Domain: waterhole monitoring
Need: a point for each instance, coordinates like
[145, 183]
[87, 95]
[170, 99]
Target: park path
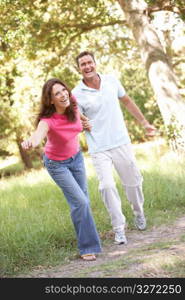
[143, 256]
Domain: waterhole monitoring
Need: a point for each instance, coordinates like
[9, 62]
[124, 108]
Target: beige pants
[123, 160]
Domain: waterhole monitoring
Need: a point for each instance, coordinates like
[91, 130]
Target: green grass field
[36, 229]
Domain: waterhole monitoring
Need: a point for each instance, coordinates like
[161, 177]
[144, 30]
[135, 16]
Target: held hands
[85, 123]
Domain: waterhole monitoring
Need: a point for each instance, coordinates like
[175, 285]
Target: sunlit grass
[8, 161]
[36, 227]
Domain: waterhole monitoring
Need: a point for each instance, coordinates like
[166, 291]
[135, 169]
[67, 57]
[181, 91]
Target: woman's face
[60, 98]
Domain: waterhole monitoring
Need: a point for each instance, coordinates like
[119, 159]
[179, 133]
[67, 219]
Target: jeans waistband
[62, 161]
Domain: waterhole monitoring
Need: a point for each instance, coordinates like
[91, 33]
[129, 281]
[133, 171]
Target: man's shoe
[140, 222]
[120, 238]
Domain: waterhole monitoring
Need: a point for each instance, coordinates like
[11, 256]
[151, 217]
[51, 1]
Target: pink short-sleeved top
[62, 137]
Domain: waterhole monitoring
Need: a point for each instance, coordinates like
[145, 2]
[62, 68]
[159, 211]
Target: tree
[47, 34]
[158, 68]
[11, 127]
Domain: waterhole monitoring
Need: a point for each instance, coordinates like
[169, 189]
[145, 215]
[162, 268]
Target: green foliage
[50, 25]
[173, 134]
[176, 6]
[65, 74]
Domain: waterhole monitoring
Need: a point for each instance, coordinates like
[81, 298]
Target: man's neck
[93, 82]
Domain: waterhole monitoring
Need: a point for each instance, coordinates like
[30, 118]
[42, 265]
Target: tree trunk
[159, 69]
[24, 155]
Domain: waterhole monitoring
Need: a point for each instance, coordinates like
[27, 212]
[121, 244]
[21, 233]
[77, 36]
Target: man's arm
[138, 115]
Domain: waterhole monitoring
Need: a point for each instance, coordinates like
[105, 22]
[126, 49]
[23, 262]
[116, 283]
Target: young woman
[59, 121]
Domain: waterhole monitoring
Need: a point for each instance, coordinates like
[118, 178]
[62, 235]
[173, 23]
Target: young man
[108, 141]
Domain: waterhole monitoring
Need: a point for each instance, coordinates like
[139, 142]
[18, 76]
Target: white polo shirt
[102, 107]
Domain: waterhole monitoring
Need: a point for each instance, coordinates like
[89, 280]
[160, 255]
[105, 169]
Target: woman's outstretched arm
[35, 139]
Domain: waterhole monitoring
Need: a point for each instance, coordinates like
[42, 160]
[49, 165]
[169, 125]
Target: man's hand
[150, 129]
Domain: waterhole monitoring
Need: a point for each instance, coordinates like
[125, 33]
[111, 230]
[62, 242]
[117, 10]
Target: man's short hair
[84, 53]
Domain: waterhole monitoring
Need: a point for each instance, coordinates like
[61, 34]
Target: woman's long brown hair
[47, 108]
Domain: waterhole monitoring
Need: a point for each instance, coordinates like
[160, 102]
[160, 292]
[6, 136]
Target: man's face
[87, 66]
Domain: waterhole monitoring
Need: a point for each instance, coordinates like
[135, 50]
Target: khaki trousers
[123, 160]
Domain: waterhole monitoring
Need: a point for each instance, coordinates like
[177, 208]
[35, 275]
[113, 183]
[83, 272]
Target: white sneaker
[120, 238]
[140, 222]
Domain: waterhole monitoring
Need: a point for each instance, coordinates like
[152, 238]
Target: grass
[36, 229]
[14, 167]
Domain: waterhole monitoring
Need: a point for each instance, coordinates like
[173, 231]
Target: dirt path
[146, 255]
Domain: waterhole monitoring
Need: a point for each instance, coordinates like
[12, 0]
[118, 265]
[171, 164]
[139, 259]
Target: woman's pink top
[62, 138]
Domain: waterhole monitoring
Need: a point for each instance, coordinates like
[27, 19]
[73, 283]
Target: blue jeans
[70, 176]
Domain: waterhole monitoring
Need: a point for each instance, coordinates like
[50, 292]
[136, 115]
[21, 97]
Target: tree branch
[88, 27]
[178, 62]
[167, 7]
